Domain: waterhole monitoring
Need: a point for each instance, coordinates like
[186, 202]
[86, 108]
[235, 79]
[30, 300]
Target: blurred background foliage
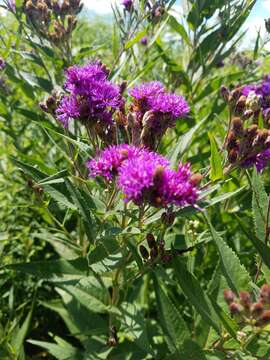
[193, 55]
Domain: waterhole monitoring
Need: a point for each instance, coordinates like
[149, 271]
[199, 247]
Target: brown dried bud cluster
[245, 310]
[243, 144]
[245, 107]
[156, 250]
[53, 19]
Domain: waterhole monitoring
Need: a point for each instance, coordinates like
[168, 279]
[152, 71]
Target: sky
[254, 22]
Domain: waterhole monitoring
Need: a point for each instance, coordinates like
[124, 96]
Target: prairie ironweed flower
[155, 111]
[148, 179]
[92, 97]
[127, 4]
[108, 162]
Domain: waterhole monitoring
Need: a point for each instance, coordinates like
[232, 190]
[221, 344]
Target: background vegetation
[52, 304]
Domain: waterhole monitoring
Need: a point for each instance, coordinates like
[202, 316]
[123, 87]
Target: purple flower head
[137, 176]
[109, 161]
[247, 89]
[177, 188]
[127, 4]
[149, 179]
[260, 160]
[147, 90]
[93, 96]
[173, 105]
[144, 40]
[67, 109]
[79, 79]
[2, 64]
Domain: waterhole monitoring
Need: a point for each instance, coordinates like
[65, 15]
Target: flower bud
[253, 101]
[151, 240]
[154, 253]
[265, 294]
[264, 319]
[168, 218]
[235, 308]
[144, 252]
[257, 309]
[225, 93]
[231, 141]
[232, 156]
[240, 105]
[229, 296]
[195, 179]
[245, 299]
[237, 126]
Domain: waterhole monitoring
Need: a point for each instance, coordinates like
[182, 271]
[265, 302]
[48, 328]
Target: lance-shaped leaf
[235, 273]
[174, 327]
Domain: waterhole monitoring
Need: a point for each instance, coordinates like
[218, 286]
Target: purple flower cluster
[145, 176]
[92, 97]
[127, 4]
[260, 160]
[108, 162]
[165, 107]
[261, 93]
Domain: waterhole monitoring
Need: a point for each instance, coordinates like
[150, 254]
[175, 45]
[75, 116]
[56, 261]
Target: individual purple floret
[109, 160]
[173, 105]
[127, 4]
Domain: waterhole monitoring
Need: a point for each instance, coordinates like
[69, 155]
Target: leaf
[192, 290]
[190, 350]
[179, 28]
[183, 143]
[60, 352]
[84, 204]
[260, 246]
[235, 273]
[137, 38]
[259, 206]
[215, 160]
[20, 333]
[174, 327]
[52, 268]
[57, 191]
[134, 324]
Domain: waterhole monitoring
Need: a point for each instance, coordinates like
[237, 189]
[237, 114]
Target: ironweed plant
[134, 190]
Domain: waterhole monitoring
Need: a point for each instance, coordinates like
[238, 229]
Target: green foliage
[73, 281]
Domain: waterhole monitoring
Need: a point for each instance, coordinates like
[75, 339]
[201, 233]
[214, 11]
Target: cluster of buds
[53, 19]
[245, 311]
[245, 144]
[156, 251]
